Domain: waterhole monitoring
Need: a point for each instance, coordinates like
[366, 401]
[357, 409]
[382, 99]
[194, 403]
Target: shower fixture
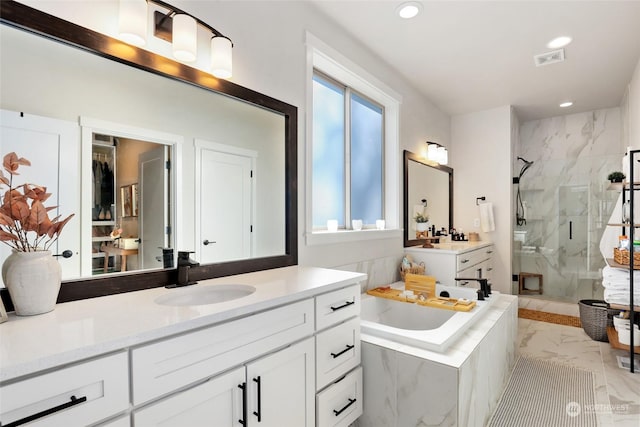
[520, 214]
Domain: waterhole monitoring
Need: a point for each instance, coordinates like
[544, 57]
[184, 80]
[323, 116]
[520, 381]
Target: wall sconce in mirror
[178, 28]
[437, 153]
[129, 199]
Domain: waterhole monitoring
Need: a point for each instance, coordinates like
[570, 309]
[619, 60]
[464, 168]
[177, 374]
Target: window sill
[344, 236]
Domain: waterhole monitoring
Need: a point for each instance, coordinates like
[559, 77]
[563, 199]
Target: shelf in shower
[623, 225]
[636, 308]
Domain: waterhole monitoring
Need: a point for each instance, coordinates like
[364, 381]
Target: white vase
[422, 226]
[33, 280]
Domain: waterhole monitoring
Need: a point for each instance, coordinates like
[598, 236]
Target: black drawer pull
[489, 252]
[258, 413]
[243, 387]
[346, 304]
[464, 261]
[74, 401]
[351, 402]
[349, 347]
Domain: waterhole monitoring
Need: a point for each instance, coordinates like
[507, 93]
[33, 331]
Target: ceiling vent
[549, 57]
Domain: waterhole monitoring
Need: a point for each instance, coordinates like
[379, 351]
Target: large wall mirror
[190, 162]
[428, 188]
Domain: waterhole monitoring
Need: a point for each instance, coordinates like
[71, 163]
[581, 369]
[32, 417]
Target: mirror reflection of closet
[116, 243]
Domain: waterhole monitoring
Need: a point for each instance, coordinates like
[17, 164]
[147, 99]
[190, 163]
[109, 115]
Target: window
[347, 155]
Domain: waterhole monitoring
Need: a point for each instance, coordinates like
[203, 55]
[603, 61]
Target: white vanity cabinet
[288, 355]
[457, 259]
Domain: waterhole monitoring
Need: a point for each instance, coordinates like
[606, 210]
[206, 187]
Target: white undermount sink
[203, 295]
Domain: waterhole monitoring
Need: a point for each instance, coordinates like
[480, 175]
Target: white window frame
[328, 61]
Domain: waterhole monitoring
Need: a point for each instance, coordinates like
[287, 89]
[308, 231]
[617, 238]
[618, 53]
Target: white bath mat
[544, 393]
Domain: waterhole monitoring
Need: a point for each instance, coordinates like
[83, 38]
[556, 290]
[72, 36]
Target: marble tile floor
[617, 390]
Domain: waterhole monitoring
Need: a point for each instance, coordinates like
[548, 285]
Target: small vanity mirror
[428, 189]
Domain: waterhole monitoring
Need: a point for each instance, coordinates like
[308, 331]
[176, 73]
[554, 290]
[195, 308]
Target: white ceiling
[467, 56]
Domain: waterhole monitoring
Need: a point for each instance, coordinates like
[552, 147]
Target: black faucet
[184, 265]
[485, 287]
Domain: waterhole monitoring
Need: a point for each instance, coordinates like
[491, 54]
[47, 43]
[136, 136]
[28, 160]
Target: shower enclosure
[562, 202]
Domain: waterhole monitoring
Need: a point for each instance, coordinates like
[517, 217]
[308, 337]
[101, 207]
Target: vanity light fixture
[566, 104]
[178, 28]
[409, 9]
[185, 37]
[132, 20]
[437, 153]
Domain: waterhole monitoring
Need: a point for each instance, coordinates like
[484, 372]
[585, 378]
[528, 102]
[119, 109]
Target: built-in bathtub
[408, 381]
[418, 325]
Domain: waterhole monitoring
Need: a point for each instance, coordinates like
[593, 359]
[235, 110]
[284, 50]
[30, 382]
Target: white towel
[486, 217]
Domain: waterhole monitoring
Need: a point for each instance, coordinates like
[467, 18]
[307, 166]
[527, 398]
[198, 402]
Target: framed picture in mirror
[129, 200]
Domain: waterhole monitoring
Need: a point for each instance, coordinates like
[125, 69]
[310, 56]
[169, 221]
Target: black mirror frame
[34, 21]
[409, 156]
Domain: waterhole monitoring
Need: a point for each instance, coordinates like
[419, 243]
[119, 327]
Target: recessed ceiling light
[566, 104]
[559, 42]
[409, 9]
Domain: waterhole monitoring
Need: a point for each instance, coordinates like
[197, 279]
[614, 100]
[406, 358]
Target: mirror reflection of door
[225, 193]
[41, 140]
[154, 206]
[122, 239]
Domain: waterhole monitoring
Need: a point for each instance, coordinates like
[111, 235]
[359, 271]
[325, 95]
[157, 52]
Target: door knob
[206, 242]
[68, 253]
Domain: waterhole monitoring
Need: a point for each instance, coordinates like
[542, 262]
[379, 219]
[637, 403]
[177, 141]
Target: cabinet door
[281, 387]
[217, 402]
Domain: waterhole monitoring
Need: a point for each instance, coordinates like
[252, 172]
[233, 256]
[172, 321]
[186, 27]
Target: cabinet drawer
[80, 394]
[164, 366]
[337, 351]
[471, 258]
[337, 306]
[341, 403]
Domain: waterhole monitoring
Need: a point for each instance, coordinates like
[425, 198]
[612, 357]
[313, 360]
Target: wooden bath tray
[448, 304]
[438, 302]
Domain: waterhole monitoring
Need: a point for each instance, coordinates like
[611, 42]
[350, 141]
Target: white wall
[481, 149]
[270, 57]
[633, 109]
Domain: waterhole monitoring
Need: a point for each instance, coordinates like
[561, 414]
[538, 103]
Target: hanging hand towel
[486, 217]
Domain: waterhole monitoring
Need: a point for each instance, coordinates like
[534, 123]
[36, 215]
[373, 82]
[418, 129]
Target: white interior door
[53, 148]
[224, 195]
[153, 206]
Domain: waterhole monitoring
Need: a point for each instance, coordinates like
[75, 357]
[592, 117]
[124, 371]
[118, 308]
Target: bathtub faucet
[485, 287]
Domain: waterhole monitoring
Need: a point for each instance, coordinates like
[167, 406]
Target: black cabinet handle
[243, 387]
[72, 402]
[349, 347]
[207, 242]
[489, 252]
[259, 412]
[346, 304]
[351, 402]
[464, 261]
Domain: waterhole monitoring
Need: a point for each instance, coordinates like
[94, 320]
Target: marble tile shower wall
[567, 203]
[379, 271]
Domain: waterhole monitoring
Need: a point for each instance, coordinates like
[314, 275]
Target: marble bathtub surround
[566, 187]
[407, 386]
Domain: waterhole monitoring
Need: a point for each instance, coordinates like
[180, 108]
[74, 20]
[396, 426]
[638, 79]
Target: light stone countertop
[451, 247]
[87, 328]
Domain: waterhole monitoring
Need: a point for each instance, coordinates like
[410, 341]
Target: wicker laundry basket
[595, 316]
